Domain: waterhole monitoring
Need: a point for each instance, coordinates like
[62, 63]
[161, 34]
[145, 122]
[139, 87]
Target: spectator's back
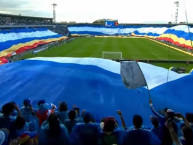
[62, 111]
[28, 113]
[158, 128]
[141, 137]
[115, 137]
[52, 132]
[111, 132]
[167, 139]
[85, 134]
[158, 131]
[62, 115]
[69, 123]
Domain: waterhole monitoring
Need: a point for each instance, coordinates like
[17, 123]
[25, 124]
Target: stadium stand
[16, 41]
[177, 35]
[7, 19]
[21, 126]
[34, 122]
[60, 29]
[21, 33]
[26, 34]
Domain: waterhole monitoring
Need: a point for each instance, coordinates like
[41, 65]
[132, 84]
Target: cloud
[23, 7]
[135, 11]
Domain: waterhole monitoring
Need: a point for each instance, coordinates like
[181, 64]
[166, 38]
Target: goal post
[112, 55]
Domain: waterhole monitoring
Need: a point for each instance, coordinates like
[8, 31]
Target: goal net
[112, 55]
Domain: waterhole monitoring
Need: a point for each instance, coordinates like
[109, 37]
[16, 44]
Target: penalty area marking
[98, 43]
[70, 53]
[157, 56]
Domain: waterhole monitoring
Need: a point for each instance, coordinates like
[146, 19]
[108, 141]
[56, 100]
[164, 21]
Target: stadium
[102, 67]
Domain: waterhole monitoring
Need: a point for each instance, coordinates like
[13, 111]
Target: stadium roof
[103, 20]
[10, 15]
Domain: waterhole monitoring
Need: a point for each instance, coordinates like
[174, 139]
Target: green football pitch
[131, 48]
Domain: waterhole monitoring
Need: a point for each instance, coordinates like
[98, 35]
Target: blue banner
[111, 23]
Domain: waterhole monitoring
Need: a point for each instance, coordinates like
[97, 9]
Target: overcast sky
[126, 11]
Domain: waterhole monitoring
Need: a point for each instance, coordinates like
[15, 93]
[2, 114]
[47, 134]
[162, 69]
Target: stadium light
[54, 12]
[176, 3]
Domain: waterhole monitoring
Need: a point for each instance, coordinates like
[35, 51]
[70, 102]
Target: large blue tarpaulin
[94, 85]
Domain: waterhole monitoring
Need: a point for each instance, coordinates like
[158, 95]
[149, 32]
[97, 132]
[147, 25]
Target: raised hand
[14, 142]
[53, 106]
[150, 101]
[168, 125]
[119, 112]
[83, 111]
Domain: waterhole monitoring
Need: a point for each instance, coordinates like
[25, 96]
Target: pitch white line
[70, 53]
[133, 57]
[157, 56]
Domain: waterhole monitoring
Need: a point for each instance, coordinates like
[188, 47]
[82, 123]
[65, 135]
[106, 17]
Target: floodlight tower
[54, 12]
[176, 3]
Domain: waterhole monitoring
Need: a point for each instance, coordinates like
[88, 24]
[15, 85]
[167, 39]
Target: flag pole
[188, 25]
[145, 81]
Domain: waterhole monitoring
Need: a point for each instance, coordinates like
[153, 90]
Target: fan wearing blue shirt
[53, 132]
[86, 133]
[157, 128]
[69, 123]
[29, 114]
[62, 112]
[139, 136]
[189, 120]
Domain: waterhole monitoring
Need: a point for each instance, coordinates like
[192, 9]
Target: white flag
[132, 75]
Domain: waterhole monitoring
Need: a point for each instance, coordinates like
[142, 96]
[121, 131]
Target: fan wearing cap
[62, 112]
[86, 133]
[43, 112]
[162, 119]
[29, 114]
[27, 108]
[110, 135]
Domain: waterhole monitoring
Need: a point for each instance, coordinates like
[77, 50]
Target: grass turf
[131, 48]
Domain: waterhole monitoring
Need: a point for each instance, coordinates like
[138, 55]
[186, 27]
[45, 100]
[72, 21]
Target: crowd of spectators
[175, 45]
[48, 125]
[60, 29]
[24, 21]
